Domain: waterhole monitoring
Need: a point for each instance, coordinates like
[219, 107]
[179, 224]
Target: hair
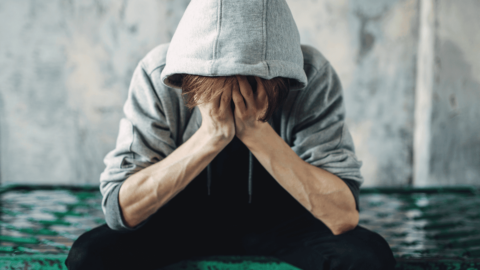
[201, 89]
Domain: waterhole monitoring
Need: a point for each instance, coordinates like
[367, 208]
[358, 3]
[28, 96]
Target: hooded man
[233, 143]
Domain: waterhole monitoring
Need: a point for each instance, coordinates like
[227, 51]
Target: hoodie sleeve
[320, 135]
[144, 138]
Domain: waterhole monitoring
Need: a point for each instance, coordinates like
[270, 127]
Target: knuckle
[213, 116]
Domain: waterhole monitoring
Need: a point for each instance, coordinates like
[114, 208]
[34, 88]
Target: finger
[218, 100]
[261, 93]
[246, 91]
[238, 98]
[226, 98]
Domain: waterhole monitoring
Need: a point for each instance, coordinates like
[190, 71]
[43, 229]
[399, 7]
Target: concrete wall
[455, 121]
[65, 67]
[372, 45]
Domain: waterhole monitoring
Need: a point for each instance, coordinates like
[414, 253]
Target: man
[260, 106]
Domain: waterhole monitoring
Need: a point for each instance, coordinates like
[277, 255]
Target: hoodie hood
[230, 37]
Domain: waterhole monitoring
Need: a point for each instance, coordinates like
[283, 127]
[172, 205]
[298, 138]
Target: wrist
[215, 137]
[256, 135]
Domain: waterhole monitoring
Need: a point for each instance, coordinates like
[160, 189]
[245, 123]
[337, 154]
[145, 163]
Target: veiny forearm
[325, 195]
[144, 192]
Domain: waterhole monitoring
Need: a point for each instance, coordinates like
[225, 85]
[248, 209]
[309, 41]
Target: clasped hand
[249, 107]
[220, 118]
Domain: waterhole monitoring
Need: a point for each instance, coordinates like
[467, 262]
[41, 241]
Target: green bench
[427, 228]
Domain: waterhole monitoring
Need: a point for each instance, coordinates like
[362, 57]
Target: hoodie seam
[219, 26]
[131, 144]
[343, 120]
[133, 128]
[264, 57]
[317, 69]
[300, 96]
[264, 36]
[341, 136]
[153, 70]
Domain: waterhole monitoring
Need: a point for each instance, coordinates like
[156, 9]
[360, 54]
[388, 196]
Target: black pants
[302, 241]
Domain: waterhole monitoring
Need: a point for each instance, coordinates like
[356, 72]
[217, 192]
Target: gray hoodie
[220, 38]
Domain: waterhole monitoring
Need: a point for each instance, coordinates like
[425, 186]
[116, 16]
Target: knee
[79, 258]
[371, 259]
[371, 252]
[83, 254]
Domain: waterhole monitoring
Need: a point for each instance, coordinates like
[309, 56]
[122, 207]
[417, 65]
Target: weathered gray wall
[455, 122]
[372, 45]
[65, 67]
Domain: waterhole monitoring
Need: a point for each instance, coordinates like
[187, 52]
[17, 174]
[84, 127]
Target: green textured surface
[33, 262]
[430, 228]
[429, 224]
[232, 263]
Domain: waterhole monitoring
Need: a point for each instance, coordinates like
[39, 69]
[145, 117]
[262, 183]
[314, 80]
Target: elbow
[113, 212]
[114, 226]
[347, 224]
[117, 222]
[113, 223]
[343, 228]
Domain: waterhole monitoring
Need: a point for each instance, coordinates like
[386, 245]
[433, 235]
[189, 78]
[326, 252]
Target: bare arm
[144, 192]
[322, 193]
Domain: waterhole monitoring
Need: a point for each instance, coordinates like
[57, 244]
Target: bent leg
[90, 250]
[104, 248]
[170, 236]
[307, 243]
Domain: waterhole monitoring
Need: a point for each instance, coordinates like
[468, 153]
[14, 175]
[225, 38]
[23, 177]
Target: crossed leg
[303, 241]
[308, 244]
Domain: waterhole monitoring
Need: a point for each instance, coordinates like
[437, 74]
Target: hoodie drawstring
[250, 176]
[209, 176]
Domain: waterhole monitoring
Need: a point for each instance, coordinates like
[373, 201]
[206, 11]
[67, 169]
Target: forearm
[144, 192]
[325, 195]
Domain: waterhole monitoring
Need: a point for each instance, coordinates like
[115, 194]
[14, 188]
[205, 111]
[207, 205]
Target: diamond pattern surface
[428, 228]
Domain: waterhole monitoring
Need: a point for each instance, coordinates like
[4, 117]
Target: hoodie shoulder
[313, 60]
[156, 58]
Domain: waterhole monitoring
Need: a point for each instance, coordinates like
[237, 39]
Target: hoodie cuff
[354, 187]
[114, 216]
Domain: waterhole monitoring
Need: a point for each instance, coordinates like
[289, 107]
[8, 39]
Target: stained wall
[65, 67]
[455, 120]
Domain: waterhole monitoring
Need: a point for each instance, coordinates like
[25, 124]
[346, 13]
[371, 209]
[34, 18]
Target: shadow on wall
[455, 144]
[367, 39]
[2, 127]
